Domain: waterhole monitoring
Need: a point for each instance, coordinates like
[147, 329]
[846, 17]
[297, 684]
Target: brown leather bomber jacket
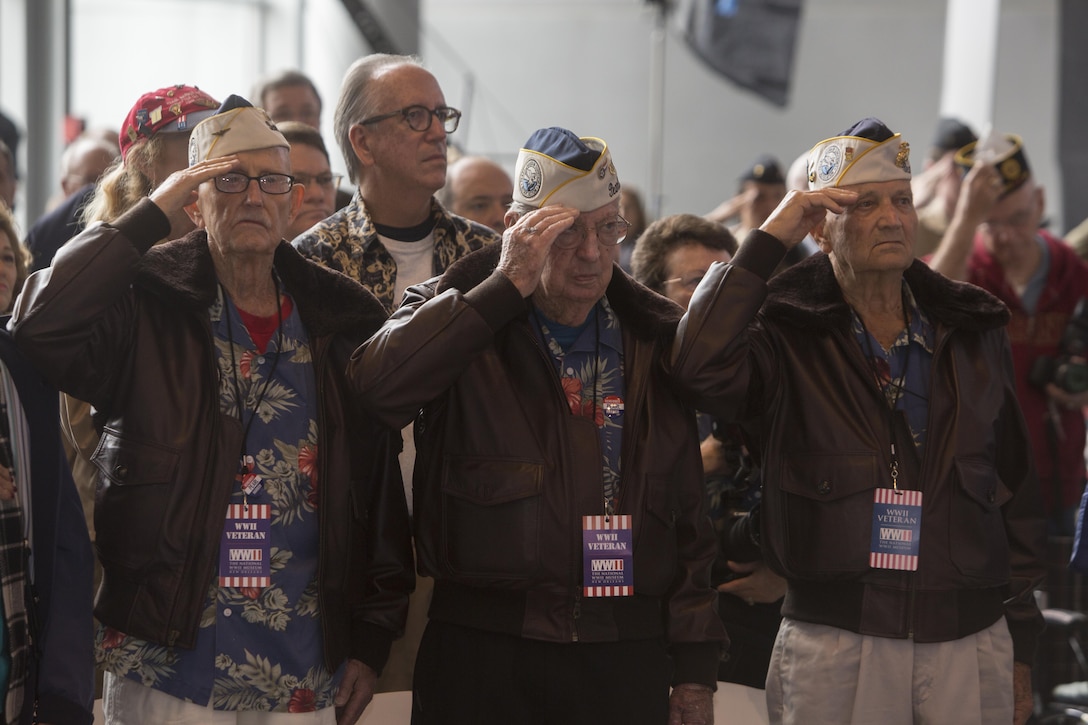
[124, 326]
[504, 472]
[782, 359]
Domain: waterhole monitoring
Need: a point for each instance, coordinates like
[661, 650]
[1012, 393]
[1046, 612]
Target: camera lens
[1072, 377]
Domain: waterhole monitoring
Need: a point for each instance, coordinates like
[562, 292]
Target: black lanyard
[247, 424]
[609, 502]
[899, 389]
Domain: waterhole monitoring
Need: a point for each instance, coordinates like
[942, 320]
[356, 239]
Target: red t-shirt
[261, 329]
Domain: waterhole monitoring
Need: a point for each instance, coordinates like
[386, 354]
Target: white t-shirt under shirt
[415, 264]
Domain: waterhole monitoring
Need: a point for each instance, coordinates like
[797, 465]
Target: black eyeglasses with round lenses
[609, 233]
[419, 118]
[235, 183]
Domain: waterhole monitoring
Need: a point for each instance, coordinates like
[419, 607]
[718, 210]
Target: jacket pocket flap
[829, 477]
[980, 482]
[492, 481]
[126, 462]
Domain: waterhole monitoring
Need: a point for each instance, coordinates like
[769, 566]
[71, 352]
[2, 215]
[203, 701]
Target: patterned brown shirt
[348, 242]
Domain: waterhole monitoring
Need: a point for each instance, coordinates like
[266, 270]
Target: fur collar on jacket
[644, 313]
[807, 295]
[328, 302]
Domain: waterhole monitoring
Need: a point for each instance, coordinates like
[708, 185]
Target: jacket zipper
[320, 351]
[938, 349]
[173, 633]
[632, 393]
[575, 562]
[576, 613]
[912, 578]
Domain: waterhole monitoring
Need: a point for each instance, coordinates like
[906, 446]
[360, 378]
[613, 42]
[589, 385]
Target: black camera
[1069, 370]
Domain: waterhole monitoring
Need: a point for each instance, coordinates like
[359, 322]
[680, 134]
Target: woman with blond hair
[14, 261]
[154, 141]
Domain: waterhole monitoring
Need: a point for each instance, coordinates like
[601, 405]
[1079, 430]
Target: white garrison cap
[555, 167]
[866, 152]
[236, 126]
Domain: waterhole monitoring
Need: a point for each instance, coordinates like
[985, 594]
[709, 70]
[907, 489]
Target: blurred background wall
[618, 69]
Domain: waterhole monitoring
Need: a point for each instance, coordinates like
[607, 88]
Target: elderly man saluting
[251, 522]
[899, 497]
[558, 494]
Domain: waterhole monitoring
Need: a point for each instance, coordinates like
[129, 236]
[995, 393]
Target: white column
[970, 61]
[47, 100]
[655, 118]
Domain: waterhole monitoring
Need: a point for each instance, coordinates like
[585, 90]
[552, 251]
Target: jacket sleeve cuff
[143, 224]
[497, 300]
[1025, 636]
[696, 662]
[760, 254]
[371, 646]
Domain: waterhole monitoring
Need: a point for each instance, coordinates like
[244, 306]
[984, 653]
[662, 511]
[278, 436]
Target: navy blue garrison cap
[870, 128]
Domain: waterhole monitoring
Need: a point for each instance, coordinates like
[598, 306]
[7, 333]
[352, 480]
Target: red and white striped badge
[897, 528]
[607, 553]
[245, 548]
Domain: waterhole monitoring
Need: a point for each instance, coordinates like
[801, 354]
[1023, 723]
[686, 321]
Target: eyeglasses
[326, 181]
[609, 233]
[419, 117]
[236, 183]
[689, 283]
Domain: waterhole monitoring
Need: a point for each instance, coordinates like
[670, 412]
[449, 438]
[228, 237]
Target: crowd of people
[496, 437]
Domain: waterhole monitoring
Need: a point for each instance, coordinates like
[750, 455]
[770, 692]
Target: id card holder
[250, 482]
[607, 551]
[245, 547]
[897, 529]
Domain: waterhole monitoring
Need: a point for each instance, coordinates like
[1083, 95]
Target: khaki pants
[127, 702]
[822, 674]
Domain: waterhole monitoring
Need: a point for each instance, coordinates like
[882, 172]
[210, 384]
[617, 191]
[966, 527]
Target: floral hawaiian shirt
[348, 242]
[903, 371]
[591, 373]
[258, 648]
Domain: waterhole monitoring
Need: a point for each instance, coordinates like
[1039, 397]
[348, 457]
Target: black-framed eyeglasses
[326, 181]
[609, 233]
[419, 118]
[235, 183]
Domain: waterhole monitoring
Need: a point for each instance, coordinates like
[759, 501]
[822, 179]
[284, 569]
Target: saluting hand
[980, 190]
[527, 241]
[800, 211]
[179, 189]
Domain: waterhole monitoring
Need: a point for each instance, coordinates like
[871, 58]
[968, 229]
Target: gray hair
[356, 100]
[85, 143]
